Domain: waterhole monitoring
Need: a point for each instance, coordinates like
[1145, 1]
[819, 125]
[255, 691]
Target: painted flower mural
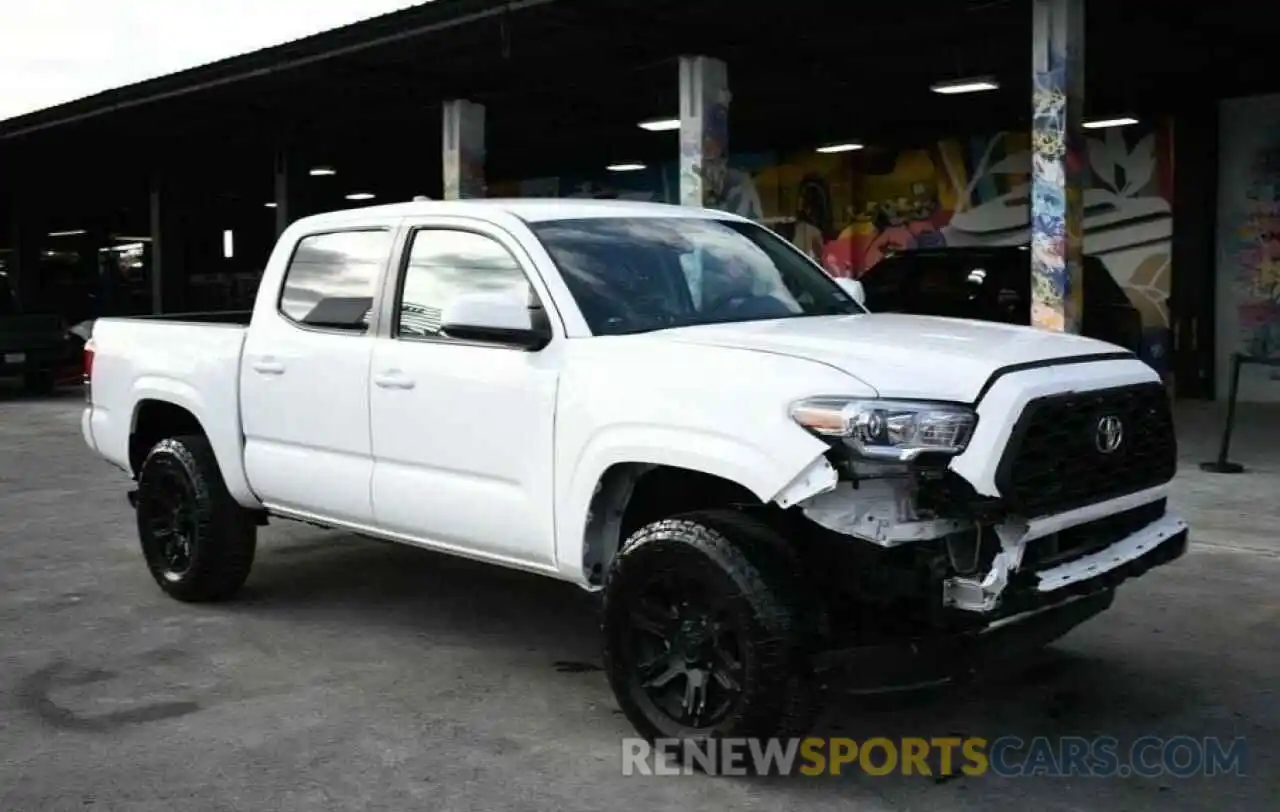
[849, 211]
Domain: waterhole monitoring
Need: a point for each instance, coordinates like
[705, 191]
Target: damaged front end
[935, 551]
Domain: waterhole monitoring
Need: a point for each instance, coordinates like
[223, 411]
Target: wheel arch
[164, 408]
[630, 495]
[723, 466]
[154, 420]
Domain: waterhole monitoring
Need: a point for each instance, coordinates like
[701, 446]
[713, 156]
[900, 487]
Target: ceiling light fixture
[1103, 123]
[633, 167]
[659, 125]
[361, 196]
[831, 149]
[78, 232]
[323, 172]
[957, 86]
[271, 205]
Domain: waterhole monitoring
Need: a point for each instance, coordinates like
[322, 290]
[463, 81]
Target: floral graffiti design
[1050, 242]
[1257, 256]
[704, 156]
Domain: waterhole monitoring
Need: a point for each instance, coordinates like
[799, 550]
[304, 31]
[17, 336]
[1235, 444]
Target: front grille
[1056, 458]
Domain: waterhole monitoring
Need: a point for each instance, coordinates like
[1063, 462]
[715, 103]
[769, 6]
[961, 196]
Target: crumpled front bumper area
[1042, 566]
[946, 657]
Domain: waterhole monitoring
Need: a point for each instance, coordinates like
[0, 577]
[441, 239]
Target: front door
[463, 431]
[304, 379]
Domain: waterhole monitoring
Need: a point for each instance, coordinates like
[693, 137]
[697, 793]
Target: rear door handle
[393, 380]
[268, 367]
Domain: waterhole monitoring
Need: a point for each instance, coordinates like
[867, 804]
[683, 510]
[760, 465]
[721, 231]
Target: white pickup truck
[674, 407]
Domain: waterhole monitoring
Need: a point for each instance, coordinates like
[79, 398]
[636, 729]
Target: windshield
[632, 275]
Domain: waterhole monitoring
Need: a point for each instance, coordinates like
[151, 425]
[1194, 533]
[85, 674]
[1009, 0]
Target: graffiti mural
[464, 150]
[1249, 240]
[1256, 252]
[704, 135]
[1055, 169]
[848, 211]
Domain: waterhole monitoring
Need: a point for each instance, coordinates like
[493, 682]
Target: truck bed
[191, 361]
[232, 317]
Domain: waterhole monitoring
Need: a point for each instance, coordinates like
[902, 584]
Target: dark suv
[994, 284]
[31, 346]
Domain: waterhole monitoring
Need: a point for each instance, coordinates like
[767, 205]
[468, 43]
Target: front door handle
[393, 380]
[268, 367]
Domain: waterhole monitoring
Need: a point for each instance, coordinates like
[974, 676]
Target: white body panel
[476, 428]
[647, 399]
[496, 453]
[900, 356]
[304, 399]
[190, 365]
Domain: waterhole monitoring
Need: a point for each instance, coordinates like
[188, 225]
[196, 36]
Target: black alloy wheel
[199, 543]
[686, 647]
[169, 509]
[700, 635]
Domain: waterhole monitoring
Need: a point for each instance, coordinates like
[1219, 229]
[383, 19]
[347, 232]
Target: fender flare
[226, 445]
[764, 474]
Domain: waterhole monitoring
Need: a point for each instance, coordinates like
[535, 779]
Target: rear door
[304, 378]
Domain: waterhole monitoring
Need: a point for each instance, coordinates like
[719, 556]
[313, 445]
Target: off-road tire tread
[780, 564]
[772, 624]
[227, 537]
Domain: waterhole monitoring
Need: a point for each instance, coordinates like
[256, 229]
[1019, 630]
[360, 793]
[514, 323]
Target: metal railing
[1223, 464]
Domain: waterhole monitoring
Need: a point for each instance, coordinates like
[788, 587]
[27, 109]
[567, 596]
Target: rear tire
[702, 635]
[198, 542]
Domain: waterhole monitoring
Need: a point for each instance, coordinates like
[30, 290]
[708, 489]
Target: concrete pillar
[1057, 164]
[25, 241]
[167, 279]
[704, 131]
[284, 191]
[464, 151]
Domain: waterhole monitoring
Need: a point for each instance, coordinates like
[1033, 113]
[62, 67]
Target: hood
[899, 355]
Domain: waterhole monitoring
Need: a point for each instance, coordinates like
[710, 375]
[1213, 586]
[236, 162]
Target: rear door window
[331, 279]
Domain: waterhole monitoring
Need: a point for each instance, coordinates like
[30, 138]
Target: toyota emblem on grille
[1109, 434]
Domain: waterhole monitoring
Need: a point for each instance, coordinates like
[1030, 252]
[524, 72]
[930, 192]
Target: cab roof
[533, 210]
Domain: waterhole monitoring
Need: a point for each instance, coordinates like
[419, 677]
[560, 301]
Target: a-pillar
[1057, 164]
[704, 131]
[463, 140]
[168, 280]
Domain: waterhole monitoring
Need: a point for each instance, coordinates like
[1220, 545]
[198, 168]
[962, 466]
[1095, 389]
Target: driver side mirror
[854, 288]
[496, 318]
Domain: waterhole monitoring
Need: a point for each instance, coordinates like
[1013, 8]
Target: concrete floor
[361, 675]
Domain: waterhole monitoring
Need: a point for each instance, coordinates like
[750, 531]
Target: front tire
[198, 542]
[702, 638]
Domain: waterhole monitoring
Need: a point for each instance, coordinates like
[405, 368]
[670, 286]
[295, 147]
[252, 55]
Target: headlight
[889, 429]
